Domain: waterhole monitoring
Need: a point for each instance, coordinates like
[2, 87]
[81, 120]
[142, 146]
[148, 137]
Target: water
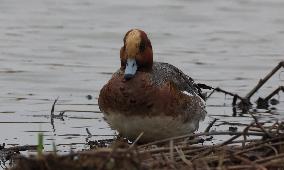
[68, 49]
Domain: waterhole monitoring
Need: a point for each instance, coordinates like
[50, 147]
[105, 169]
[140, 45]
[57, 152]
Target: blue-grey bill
[130, 69]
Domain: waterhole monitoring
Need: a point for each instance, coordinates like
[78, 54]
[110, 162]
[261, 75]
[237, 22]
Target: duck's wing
[164, 72]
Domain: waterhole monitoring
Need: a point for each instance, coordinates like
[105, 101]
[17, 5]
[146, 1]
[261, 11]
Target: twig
[221, 160]
[272, 148]
[20, 148]
[262, 81]
[203, 153]
[182, 157]
[168, 161]
[53, 106]
[136, 140]
[234, 103]
[172, 150]
[276, 91]
[258, 145]
[247, 161]
[273, 126]
[230, 140]
[204, 86]
[245, 132]
[260, 126]
[244, 104]
[239, 167]
[61, 114]
[267, 159]
[89, 133]
[8, 154]
[218, 89]
[202, 134]
[210, 125]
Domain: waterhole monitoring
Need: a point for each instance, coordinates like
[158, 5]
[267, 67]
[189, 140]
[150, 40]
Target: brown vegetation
[256, 147]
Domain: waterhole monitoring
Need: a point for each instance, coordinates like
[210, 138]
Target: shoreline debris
[245, 103]
[258, 146]
[9, 154]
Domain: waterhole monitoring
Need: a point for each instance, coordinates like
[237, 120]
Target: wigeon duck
[150, 97]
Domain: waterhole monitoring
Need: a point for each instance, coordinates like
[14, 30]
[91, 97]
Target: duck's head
[136, 53]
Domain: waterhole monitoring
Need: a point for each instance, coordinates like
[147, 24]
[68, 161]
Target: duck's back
[164, 72]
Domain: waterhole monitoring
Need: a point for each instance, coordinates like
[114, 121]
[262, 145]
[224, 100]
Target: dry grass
[265, 151]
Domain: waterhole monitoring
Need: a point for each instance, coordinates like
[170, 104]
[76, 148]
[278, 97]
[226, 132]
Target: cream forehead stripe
[133, 40]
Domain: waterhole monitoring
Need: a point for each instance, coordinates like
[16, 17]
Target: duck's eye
[142, 46]
[133, 65]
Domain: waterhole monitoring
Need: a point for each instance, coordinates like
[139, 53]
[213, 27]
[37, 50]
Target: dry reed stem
[180, 152]
[183, 157]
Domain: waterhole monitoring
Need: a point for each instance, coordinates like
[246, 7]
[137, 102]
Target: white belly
[154, 128]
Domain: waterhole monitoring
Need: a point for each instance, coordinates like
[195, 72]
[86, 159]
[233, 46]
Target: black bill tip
[128, 76]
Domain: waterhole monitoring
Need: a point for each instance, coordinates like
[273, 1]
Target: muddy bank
[100, 159]
[259, 146]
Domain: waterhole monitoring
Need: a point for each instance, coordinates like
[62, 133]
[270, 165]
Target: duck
[152, 99]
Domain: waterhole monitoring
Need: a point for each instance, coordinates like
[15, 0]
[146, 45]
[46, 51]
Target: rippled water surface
[69, 48]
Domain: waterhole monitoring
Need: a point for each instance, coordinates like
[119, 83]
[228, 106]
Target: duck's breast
[151, 106]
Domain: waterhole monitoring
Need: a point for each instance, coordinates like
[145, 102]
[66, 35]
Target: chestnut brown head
[136, 53]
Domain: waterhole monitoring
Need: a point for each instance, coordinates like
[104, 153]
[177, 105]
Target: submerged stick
[245, 103]
[218, 89]
[53, 107]
[276, 91]
[8, 154]
[210, 125]
[19, 148]
[262, 81]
